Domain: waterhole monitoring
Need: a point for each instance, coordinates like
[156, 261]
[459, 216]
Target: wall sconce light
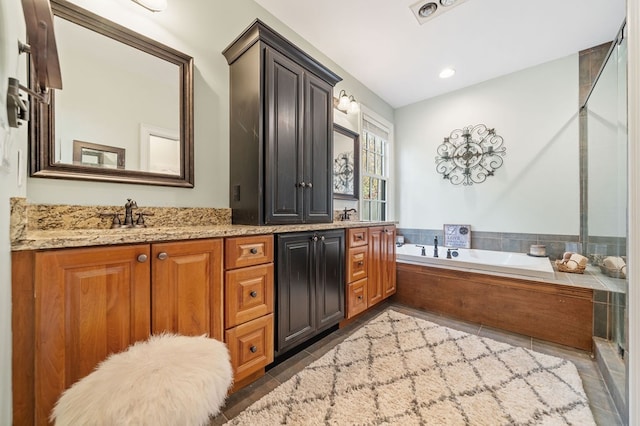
[347, 103]
[470, 155]
[152, 5]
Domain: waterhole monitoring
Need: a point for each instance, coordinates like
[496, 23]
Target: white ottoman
[166, 380]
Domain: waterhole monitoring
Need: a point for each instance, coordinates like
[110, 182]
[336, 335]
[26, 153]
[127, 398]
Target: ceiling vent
[426, 10]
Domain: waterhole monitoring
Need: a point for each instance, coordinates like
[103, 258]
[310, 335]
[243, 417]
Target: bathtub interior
[474, 259]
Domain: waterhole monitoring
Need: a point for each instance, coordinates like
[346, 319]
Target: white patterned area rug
[398, 369]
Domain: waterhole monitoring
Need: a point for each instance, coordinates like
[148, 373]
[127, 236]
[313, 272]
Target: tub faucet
[435, 246]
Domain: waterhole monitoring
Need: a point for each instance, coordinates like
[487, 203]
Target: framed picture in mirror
[93, 154]
[346, 173]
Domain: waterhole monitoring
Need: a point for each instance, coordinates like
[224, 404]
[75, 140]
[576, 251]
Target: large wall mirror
[125, 113]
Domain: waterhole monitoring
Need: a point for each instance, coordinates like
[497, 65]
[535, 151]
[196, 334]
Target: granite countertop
[64, 238]
[41, 226]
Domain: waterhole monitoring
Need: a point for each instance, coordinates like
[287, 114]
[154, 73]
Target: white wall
[537, 188]
[11, 26]
[202, 29]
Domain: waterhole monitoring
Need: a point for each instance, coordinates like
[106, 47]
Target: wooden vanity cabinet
[248, 305]
[281, 129]
[371, 267]
[186, 288]
[357, 271]
[382, 263]
[74, 307]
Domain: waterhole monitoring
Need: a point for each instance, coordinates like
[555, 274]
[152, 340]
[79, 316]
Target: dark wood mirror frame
[354, 169]
[42, 116]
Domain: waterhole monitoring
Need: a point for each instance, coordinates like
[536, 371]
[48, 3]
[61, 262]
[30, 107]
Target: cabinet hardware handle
[253, 294]
[162, 255]
[314, 238]
[360, 263]
[253, 250]
[360, 237]
[360, 297]
[253, 349]
[322, 238]
[302, 184]
[309, 185]
[142, 258]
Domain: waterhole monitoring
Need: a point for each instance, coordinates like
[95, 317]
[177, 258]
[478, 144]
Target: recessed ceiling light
[446, 3]
[447, 72]
[428, 10]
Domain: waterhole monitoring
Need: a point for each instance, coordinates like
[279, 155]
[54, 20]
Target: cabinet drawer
[357, 237]
[250, 346]
[357, 264]
[248, 294]
[356, 297]
[248, 251]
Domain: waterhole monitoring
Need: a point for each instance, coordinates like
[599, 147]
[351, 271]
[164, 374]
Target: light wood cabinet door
[248, 294]
[376, 270]
[250, 346]
[388, 259]
[356, 297]
[187, 288]
[89, 303]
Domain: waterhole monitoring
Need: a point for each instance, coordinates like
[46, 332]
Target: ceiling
[381, 43]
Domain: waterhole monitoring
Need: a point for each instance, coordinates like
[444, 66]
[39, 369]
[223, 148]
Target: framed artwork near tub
[346, 173]
[458, 236]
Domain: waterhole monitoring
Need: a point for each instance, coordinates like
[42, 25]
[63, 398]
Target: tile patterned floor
[601, 403]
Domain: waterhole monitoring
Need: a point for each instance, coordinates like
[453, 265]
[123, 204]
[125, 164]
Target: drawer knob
[142, 258]
[360, 297]
[253, 250]
[360, 237]
[162, 255]
[253, 294]
[360, 263]
[253, 349]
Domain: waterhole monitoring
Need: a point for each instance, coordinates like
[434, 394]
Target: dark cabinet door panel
[284, 114]
[295, 306]
[318, 164]
[330, 279]
[310, 285]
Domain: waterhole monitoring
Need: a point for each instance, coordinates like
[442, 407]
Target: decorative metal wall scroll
[470, 155]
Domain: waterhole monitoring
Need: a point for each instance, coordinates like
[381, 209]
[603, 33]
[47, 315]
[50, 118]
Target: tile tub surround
[36, 227]
[498, 241]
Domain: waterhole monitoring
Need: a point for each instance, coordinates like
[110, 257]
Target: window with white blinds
[374, 168]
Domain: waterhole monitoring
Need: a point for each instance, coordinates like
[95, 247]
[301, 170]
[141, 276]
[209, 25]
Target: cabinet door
[284, 135]
[318, 149]
[389, 260]
[296, 313]
[329, 279]
[376, 268]
[90, 302]
[187, 288]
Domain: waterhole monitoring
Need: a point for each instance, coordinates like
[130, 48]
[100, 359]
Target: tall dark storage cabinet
[310, 285]
[281, 131]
